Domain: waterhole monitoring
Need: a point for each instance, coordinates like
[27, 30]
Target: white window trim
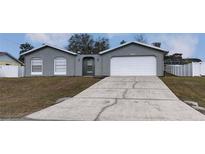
[36, 73]
[60, 73]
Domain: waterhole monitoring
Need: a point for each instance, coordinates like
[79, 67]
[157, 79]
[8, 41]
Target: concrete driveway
[122, 98]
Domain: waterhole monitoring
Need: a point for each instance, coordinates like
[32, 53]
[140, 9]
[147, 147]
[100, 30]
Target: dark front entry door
[88, 66]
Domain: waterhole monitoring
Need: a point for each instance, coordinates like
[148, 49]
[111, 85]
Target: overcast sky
[191, 45]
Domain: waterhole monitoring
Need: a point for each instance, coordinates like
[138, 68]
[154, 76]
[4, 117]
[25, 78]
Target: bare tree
[100, 44]
[141, 38]
[157, 44]
[82, 43]
[85, 44]
[122, 42]
[23, 48]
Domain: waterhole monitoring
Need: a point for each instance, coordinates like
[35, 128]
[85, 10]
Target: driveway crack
[103, 109]
[133, 86]
[124, 93]
[157, 107]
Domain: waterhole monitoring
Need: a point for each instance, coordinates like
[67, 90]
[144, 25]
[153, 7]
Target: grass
[187, 88]
[22, 96]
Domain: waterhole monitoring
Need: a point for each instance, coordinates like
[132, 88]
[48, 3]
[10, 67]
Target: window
[90, 62]
[60, 66]
[36, 66]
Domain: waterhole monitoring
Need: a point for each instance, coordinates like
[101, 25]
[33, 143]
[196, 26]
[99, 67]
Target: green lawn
[187, 88]
[22, 96]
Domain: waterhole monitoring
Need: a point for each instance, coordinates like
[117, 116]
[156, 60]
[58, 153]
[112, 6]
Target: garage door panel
[131, 66]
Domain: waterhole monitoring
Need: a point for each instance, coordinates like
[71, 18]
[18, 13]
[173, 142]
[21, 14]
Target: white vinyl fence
[11, 71]
[192, 69]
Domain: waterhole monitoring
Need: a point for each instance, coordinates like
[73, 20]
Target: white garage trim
[133, 66]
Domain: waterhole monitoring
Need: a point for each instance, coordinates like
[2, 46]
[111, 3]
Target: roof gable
[9, 55]
[136, 43]
[46, 45]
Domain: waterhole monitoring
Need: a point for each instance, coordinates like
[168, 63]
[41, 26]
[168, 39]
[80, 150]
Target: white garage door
[131, 66]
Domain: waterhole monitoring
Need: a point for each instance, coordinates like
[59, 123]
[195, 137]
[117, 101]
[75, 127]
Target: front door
[88, 66]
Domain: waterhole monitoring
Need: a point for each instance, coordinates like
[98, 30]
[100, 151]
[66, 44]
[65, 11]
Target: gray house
[129, 59]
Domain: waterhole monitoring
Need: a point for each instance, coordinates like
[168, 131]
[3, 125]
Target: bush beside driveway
[22, 96]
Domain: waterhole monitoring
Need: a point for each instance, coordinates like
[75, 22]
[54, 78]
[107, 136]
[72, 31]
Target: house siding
[132, 50]
[102, 61]
[48, 55]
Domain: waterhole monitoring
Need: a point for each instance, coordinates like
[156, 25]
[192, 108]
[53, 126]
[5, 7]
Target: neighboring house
[7, 59]
[176, 59]
[128, 59]
[10, 66]
[190, 60]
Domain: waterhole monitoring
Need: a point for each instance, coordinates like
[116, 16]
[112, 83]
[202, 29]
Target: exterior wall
[132, 50]
[6, 60]
[48, 55]
[102, 62]
[79, 64]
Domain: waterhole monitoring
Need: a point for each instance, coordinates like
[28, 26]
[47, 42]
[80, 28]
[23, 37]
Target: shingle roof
[47, 45]
[6, 53]
[138, 43]
[2, 53]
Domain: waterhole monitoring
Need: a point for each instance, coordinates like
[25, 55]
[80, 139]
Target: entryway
[88, 66]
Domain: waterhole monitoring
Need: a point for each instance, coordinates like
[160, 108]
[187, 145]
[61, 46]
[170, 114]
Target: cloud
[182, 43]
[111, 35]
[59, 39]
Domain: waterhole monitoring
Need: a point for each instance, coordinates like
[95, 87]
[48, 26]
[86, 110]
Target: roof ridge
[52, 46]
[8, 54]
[136, 42]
